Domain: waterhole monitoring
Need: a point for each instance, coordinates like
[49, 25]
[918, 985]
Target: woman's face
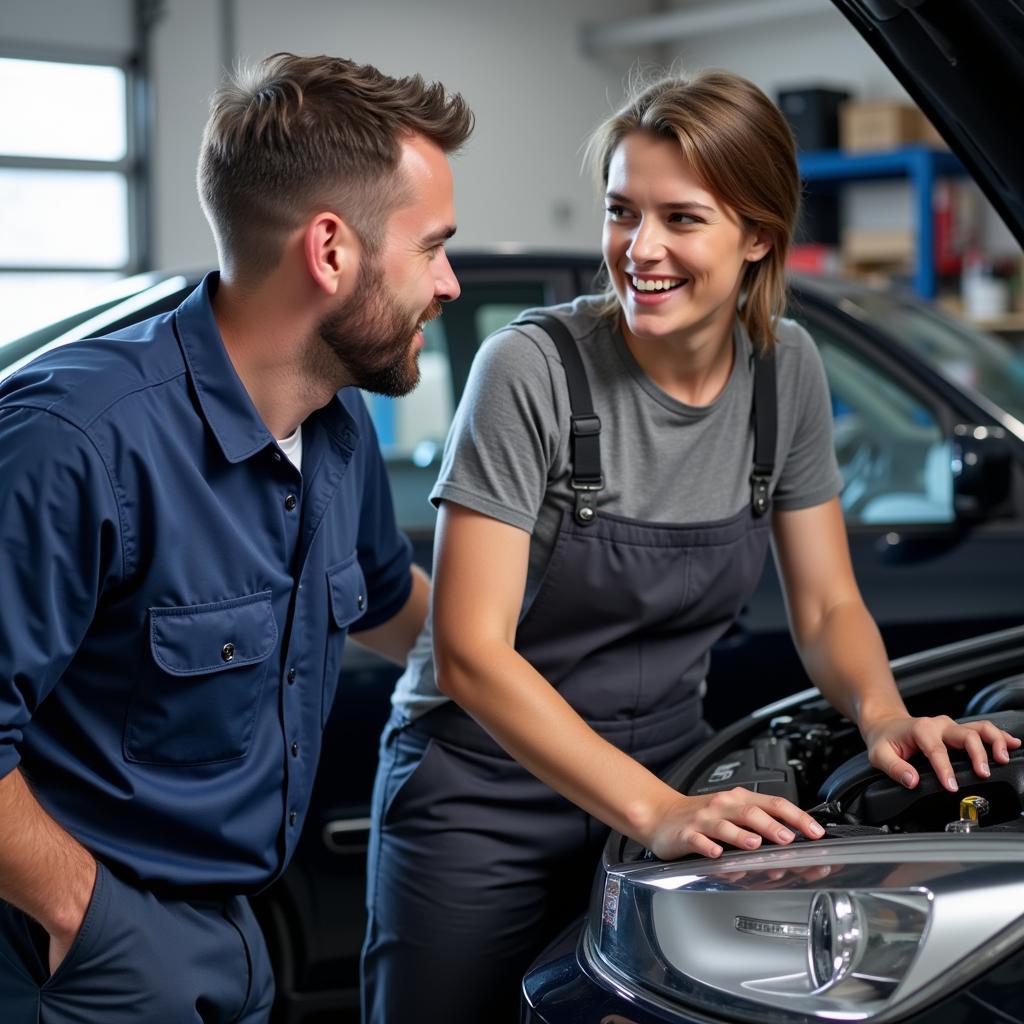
[675, 252]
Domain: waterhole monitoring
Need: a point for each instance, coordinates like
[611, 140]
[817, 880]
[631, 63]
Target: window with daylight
[68, 186]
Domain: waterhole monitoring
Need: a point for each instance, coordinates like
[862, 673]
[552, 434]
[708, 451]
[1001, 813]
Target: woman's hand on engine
[892, 741]
[739, 817]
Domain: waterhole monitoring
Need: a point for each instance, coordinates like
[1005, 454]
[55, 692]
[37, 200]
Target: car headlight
[841, 930]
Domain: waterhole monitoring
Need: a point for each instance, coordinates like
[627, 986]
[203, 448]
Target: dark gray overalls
[474, 864]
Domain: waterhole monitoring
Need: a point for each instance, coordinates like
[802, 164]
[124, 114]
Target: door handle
[347, 836]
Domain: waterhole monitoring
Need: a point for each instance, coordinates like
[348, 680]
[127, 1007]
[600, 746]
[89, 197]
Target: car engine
[816, 759]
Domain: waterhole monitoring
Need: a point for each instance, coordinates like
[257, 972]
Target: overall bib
[474, 864]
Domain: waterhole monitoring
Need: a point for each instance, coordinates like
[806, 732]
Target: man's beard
[371, 337]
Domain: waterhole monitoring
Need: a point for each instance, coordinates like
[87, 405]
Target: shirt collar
[226, 405]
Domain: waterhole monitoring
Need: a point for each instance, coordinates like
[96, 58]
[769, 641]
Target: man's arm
[60, 524]
[394, 639]
[43, 870]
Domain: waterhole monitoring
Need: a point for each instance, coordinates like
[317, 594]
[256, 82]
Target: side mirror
[982, 462]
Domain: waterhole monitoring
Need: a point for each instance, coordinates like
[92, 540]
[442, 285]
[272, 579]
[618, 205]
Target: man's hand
[737, 816]
[892, 741]
[64, 929]
[44, 871]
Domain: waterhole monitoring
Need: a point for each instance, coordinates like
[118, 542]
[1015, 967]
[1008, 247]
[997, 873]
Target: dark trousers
[139, 960]
[474, 866]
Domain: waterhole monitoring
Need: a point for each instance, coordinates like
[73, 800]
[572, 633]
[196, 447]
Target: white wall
[47, 27]
[519, 64]
[185, 55]
[821, 48]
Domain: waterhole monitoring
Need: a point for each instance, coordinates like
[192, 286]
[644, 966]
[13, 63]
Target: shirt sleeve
[504, 437]
[810, 474]
[384, 552]
[60, 547]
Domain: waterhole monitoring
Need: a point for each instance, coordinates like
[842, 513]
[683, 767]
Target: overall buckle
[584, 511]
[759, 498]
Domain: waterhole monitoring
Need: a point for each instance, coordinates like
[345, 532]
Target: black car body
[909, 909]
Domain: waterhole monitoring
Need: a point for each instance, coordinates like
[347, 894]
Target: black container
[819, 216]
[813, 114]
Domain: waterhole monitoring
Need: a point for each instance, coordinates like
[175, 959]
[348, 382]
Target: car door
[927, 574]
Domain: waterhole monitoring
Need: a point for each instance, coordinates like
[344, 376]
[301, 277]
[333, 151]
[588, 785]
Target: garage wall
[519, 64]
[46, 27]
[820, 48]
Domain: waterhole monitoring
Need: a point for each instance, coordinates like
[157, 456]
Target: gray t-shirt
[507, 454]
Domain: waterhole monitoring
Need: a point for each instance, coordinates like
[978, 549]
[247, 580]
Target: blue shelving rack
[921, 165]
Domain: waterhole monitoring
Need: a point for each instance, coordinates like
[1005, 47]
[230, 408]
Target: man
[194, 512]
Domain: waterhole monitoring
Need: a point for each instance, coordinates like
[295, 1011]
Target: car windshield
[967, 357]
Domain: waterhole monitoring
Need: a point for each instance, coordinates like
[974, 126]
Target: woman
[607, 495]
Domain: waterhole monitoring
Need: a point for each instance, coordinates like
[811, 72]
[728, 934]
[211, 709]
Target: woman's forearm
[536, 726]
[846, 659]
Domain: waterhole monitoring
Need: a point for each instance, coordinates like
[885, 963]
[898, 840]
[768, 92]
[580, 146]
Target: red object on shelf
[813, 258]
[947, 254]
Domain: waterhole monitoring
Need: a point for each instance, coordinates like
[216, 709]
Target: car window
[968, 357]
[892, 452]
[412, 429]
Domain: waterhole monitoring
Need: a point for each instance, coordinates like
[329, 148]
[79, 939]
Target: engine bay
[815, 758]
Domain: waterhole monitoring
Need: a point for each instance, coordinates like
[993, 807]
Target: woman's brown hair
[740, 147]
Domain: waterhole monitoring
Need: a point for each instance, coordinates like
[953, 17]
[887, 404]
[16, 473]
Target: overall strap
[585, 426]
[765, 430]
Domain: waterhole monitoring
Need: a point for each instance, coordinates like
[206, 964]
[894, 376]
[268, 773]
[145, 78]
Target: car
[910, 908]
[937, 552]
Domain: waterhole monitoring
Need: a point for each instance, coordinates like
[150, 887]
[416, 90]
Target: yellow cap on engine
[972, 808]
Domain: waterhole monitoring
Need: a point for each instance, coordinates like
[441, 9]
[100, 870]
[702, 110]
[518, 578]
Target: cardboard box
[872, 248]
[867, 126]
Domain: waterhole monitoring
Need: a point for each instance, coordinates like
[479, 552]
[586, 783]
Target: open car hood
[963, 63]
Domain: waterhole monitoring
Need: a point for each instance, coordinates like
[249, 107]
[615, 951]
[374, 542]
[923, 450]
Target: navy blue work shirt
[174, 597]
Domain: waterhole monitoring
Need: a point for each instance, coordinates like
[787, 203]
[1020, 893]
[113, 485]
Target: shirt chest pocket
[200, 681]
[346, 595]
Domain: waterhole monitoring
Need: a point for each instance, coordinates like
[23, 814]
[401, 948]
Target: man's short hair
[295, 135]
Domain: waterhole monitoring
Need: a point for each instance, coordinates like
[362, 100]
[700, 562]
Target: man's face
[376, 333]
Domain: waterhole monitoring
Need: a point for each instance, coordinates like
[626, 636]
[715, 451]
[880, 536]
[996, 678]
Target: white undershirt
[292, 447]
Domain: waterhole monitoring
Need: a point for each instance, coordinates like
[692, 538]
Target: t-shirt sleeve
[61, 548]
[504, 437]
[809, 474]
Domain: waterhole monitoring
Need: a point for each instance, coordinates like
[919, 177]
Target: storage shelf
[920, 165]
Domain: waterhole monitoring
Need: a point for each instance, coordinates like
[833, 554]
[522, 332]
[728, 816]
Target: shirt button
[295, 750]
[291, 675]
[360, 602]
[227, 652]
[290, 502]
[292, 818]
[277, 455]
